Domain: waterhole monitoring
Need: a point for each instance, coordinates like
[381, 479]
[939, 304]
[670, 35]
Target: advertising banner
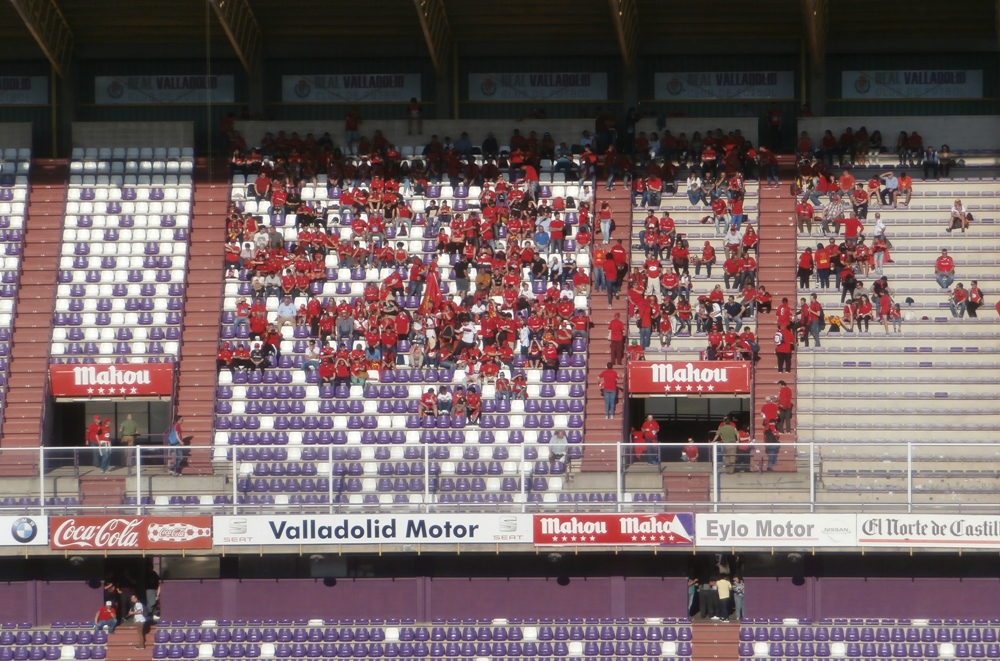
[354, 88]
[141, 90]
[724, 85]
[614, 529]
[24, 531]
[366, 529]
[131, 533]
[775, 530]
[24, 90]
[934, 530]
[566, 86]
[917, 84]
[122, 380]
[690, 378]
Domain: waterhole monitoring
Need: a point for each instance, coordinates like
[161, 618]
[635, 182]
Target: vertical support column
[256, 97]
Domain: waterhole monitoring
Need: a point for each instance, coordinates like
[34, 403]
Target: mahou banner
[614, 529]
[130, 533]
[703, 377]
[123, 380]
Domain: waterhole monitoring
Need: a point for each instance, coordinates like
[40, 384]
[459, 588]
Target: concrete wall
[426, 598]
[958, 132]
[15, 135]
[133, 134]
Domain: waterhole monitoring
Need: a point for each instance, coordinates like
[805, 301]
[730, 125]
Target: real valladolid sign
[689, 378]
[123, 380]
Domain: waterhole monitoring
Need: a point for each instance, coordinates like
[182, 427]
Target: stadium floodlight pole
[618, 474]
[138, 479]
[909, 476]
[812, 476]
[41, 480]
[236, 494]
[715, 479]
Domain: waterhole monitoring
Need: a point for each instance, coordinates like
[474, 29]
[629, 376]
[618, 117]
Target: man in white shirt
[959, 217]
[138, 615]
[587, 140]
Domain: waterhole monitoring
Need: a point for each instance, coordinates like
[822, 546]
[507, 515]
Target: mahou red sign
[123, 380]
[130, 533]
[702, 377]
[614, 529]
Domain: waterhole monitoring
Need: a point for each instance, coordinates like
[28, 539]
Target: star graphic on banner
[700, 388]
[690, 388]
[593, 539]
[122, 391]
[100, 391]
[711, 387]
[679, 387]
[565, 538]
[135, 390]
[663, 538]
[90, 391]
[643, 538]
[670, 538]
[573, 538]
[634, 538]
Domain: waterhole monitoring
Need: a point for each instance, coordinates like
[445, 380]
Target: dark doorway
[682, 418]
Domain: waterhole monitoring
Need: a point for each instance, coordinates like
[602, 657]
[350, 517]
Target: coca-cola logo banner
[121, 380]
[130, 533]
[700, 377]
[614, 529]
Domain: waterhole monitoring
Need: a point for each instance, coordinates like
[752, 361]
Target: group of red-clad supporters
[472, 329]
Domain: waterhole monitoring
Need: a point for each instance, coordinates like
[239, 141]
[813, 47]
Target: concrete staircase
[714, 641]
[27, 388]
[121, 644]
[202, 310]
[776, 271]
[596, 428]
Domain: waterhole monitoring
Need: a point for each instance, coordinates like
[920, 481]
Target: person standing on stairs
[616, 335]
[609, 388]
[138, 616]
[785, 405]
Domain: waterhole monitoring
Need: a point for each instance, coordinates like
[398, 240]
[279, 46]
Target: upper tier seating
[121, 276]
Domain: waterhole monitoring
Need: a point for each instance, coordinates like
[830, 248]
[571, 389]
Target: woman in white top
[694, 190]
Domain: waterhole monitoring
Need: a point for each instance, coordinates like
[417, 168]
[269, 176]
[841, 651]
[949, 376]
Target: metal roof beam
[625, 16]
[814, 18]
[49, 28]
[437, 33]
[244, 34]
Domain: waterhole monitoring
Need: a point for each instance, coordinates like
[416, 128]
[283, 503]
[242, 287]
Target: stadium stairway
[596, 428]
[200, 335]
[776, 271]
[26, 387]
[121, 644]
[711, 641]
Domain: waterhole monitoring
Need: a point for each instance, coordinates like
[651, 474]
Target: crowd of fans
[863, 149]
[510, 305]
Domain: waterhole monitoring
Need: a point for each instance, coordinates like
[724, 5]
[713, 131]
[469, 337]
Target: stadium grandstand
[478, 331]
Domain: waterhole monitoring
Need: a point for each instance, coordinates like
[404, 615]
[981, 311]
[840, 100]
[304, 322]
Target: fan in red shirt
[609, 388]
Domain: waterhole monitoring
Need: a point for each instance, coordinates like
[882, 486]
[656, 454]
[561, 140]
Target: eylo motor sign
[613, 529]
[689, 378]
[122, 380]
[373, 529]
[131, 533]
[775, 530]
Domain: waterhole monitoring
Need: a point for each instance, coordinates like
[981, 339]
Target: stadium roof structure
[255, 29]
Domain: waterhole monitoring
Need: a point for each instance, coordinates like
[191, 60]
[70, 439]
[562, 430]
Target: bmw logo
[24, 530]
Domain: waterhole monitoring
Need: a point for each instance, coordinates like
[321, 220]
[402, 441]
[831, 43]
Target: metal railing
[806, 477]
